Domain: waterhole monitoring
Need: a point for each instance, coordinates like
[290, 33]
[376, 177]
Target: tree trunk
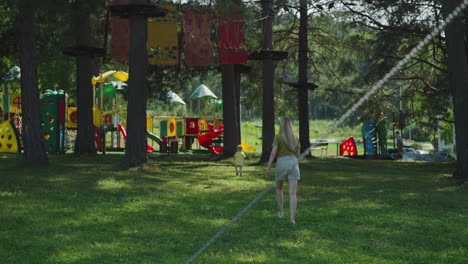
[302, 93]
[268, 113]
[458, 81]
[135, 147]
[231, 103]
[237, 84]
[84, 143]
[231, 137]
[33, 140]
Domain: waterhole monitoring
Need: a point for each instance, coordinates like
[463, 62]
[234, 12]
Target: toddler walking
[239, 160]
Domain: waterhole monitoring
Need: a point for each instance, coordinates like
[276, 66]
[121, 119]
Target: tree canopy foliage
[352, 44]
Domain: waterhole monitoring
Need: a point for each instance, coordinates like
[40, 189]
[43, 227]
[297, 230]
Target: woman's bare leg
[279, 196]
[292, 200]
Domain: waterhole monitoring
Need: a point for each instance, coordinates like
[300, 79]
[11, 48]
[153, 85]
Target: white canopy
[174, 99]
[203, 92]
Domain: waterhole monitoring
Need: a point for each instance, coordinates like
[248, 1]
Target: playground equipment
[375, 137]
[247, 148]
[108, 121]
[10, 113]
[212, 140]
[382, 136]
[9, 138]
[349, 147]
[53, 112]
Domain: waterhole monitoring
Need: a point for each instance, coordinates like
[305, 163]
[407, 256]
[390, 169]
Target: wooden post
[191, 114]
[94, 95]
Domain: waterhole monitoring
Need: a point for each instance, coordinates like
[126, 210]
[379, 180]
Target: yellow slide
[247, 148]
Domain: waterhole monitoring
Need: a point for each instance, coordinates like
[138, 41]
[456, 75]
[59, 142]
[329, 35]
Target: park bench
[319, 144]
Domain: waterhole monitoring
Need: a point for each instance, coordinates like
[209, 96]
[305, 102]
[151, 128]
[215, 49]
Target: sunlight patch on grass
[10, 194]
[292, 244]
[366, 204]
[406, 196]
[58, 179]
[447, 189]
[111, 184]
[335, 190]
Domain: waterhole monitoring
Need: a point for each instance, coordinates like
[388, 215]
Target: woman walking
[286, 146]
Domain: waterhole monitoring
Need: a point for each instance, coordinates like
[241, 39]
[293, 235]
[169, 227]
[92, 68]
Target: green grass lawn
[87, 210]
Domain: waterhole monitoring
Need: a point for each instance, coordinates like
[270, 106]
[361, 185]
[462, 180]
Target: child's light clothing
[239, 158]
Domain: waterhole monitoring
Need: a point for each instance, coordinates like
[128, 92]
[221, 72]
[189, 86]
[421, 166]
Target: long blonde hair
[286, 132]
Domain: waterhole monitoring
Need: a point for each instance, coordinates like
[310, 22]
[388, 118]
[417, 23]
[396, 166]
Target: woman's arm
[274, 150]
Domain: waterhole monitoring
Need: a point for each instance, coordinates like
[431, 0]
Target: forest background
[352, 44]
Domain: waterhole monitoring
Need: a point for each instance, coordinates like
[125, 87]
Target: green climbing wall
[382, 135]
[52, 127]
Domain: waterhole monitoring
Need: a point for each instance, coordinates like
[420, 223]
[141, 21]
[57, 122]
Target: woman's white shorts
[287, 168]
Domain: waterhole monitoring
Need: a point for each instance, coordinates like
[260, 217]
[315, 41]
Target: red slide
[206, 140]
[149, 148]
[122, 129]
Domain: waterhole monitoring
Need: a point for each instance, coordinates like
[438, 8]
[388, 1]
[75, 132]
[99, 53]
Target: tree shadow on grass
[347, 211]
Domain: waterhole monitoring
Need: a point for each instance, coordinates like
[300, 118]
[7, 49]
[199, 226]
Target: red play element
[149, 149]
[74, 117]
[191, 126]
[232, 46]
[107, 119]
[62, 111]
[97, 138]
[17, 102]
[206, 140]
[171, 127]
[120, 42]
[348, 146]
[122, 129]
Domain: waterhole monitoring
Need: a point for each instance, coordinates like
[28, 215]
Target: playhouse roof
[13, 74]
[174, 99]
[203, 92]
[123, 76]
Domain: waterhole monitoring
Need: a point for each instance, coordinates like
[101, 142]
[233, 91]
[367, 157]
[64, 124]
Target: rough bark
[237, 84]
[302, 93]
[135, 147]
[458, 81]
[84, 143]
[230, 105]
[268, 113]
[32, 135]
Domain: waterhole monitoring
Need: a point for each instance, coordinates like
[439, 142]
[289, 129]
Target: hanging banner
[162, 38]
[232, 46]
[198, 48]
[120, 35]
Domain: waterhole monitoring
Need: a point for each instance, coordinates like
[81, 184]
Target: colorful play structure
[375, 137]
[163, 48]
[10, 113]
[174, 132]
[58, 119]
